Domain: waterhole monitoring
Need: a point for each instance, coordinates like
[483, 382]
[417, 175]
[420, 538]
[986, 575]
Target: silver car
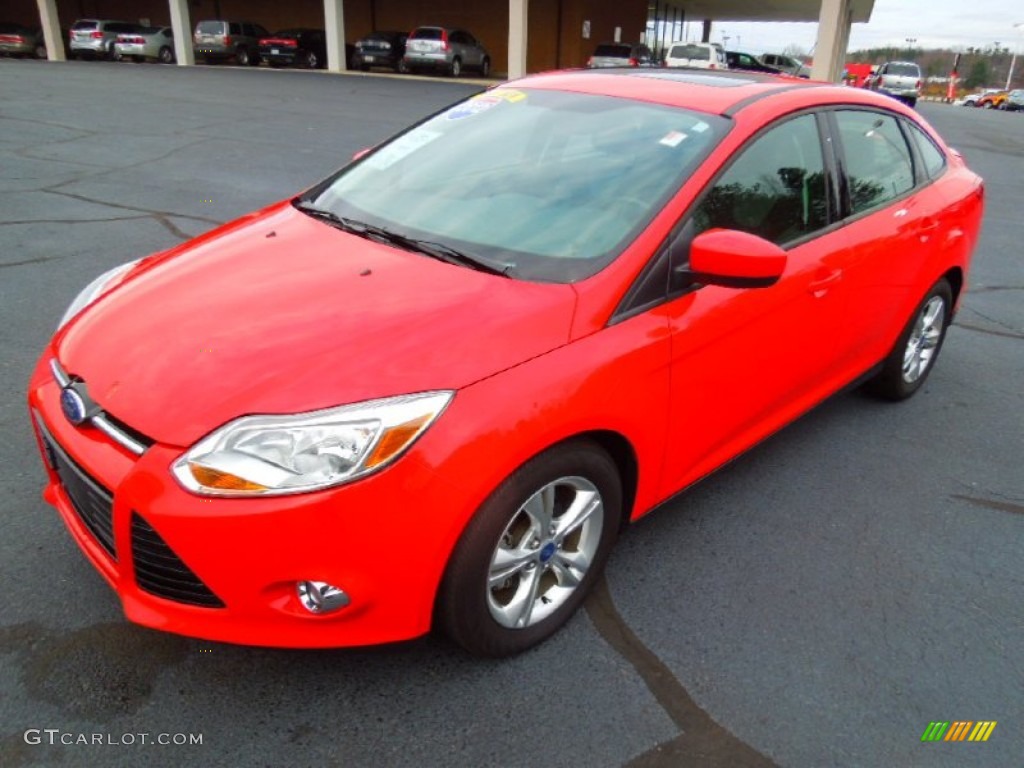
[149, 43]
[899, 79]
[96, 37]
[447, 50]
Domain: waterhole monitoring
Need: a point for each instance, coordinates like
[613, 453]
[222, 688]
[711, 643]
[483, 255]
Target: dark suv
[221, 40]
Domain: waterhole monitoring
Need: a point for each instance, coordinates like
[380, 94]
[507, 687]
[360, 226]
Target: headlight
[273, 455]
[94, 290]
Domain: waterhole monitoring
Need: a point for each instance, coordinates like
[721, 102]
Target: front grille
[162, 573]
[93, 504]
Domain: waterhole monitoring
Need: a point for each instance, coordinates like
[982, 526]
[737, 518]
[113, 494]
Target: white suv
[699, 55]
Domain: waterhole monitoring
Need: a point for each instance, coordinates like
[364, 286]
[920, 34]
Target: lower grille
[162, 573]
[93, 504]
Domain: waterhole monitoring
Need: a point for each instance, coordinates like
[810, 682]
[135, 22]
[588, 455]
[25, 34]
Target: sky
[933, 23]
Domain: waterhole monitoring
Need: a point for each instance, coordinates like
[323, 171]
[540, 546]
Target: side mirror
[734, 259]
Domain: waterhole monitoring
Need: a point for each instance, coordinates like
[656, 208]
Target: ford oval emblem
[73, 406]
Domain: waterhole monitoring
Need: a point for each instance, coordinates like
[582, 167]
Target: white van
[699, 55]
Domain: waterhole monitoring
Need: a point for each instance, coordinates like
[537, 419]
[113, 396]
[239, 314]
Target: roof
[716, 91]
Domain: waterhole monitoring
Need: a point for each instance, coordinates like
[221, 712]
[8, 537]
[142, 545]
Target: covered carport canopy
[529, 36]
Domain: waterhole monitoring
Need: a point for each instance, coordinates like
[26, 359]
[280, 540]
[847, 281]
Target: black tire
[912, 102]
[485, 67]
[112, 54]
[456, 67]
[310, 60]
[40, 51]
[402, 68]
[166, 55]
[468, 606]
[903, 371]
[242, 57]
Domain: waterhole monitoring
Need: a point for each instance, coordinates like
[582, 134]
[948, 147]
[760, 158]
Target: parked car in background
[699, 55]
[749, 62]
[298, 429]
[1014, 101]
[381, 49]
[788, 64]
[899, 79]
[219, 40]
[621, 55]
[295, 47]
[447, 50]
[96, 38]
[993, 100]
[148, 43]
[971, 99]
[19, 40]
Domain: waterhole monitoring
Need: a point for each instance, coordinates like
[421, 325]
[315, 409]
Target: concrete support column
[833, 36]
[518, 17]
[50, 23]
[182, 26]
[334, 22]
[705, 36]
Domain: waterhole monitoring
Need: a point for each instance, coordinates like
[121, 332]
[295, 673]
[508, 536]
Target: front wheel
[485, 68]
[40, 51]
[242, 57]
[166, 55]
[532, 552]
[456, 68]
[913, 357]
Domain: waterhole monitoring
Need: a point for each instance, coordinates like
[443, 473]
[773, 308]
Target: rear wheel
[532, 552]
[40, 51]
[242, 57]
[166, 55]
[456, 67]
[402, 67]
[310, 60]
[485, 67]
[913, 357]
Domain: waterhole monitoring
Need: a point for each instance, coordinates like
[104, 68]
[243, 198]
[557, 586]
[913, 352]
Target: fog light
[321, 597]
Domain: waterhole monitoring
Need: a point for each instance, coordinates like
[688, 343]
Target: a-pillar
[833, 37]
[51, 29]
[334, 21]
[182, 26]
[517, 34]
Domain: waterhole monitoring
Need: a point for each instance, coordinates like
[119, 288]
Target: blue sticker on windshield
[472, 107]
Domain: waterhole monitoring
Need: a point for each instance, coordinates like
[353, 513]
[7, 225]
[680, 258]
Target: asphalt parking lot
[816, 603]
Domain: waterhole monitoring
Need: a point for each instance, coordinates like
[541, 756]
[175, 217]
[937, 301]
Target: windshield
[690, 52]
[540, 184]
[904, 70]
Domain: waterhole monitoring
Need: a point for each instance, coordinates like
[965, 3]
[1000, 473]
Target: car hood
[279, 313]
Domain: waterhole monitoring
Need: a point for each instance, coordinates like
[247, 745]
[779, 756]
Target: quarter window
[879, 165]
[776, 189]
[934, 160]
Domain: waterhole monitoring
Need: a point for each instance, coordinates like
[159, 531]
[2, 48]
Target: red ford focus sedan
[431, 390]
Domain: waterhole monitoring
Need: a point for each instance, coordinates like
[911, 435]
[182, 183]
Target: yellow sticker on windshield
[510, 95]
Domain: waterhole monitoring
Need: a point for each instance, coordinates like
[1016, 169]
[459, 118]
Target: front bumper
[384, 539]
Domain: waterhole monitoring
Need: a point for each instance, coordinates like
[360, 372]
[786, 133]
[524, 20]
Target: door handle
[823, 280]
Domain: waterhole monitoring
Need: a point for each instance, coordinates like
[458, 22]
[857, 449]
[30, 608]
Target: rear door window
[879, 164]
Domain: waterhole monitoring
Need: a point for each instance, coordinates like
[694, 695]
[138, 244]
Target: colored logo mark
[958, 730]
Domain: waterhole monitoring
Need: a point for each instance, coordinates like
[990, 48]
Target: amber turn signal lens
[212, 478]
[394, 440]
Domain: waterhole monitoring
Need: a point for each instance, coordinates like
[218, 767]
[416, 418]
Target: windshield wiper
[438, 251]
